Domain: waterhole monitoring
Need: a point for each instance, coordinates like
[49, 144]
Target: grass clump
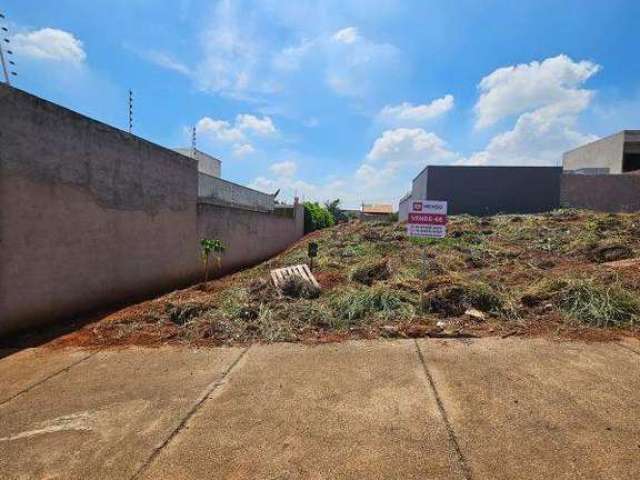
[599, 305]
[381, 302]
[182, 313]
[296, 287]
[455, 298]
[544, 290]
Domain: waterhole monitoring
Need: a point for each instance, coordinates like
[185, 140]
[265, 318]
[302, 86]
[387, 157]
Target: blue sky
[341, 99]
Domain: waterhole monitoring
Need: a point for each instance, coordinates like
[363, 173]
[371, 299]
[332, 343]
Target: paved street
[428, 409]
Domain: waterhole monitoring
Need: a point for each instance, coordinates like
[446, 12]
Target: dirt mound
[610, 253]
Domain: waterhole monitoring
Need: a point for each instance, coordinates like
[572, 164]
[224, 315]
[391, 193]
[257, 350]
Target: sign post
[427, 219]
[312, 252]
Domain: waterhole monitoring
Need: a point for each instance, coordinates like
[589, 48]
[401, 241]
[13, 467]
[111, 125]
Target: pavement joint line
[466, 470]
[47, 378]
[194, 408]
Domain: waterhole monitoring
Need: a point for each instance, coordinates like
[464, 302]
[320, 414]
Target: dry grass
[525, 273]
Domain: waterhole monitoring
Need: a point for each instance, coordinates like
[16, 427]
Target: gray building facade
[480, 190]
[206, 163]
[615, 154]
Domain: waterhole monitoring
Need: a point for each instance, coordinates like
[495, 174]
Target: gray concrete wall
[604, 153]
[492, 190]
[419, 185]
[223, 192]
[403, 208]
[91, 215]
[249, 236]
[608, 193]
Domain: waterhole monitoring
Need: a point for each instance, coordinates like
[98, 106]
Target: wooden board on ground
[281, 275]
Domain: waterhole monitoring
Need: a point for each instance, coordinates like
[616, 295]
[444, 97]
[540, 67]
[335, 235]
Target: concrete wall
[250, 236]
[492, 190]
[605, 153]
[403, 208]
[420, 184]
[608, 193]
[91, 215]
[224, 192]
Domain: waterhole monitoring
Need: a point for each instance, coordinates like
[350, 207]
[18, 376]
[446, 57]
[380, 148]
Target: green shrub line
[316, 217]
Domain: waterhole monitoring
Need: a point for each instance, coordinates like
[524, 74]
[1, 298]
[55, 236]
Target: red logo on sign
[417, 206]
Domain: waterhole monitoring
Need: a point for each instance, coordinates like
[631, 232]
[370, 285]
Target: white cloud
[384, 175]
[242, 150]
[398, 154]
[231, 52]
[50, 44]
[538, 138]
[284, 169]
[547, 96]
[244, 124]
[356, 68]
[163, 59]
[262, 126]
[236, 138]
[408, 145]
[219, 130]
[290, 58]
[243, 57]
[320, 192]
[347, 35]
[409, 113]
[520, 88]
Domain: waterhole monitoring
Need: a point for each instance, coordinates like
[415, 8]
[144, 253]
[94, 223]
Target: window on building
[631, 162]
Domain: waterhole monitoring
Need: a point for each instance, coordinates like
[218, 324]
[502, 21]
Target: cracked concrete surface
[437, 409]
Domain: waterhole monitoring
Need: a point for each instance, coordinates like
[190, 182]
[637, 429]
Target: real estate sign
[427, 219]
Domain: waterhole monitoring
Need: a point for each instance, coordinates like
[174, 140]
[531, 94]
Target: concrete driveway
[428, 409]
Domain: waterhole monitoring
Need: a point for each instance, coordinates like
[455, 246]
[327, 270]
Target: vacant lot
[566, 273]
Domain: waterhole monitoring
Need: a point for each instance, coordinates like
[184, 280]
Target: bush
[600, 305]
[335, 210]
[316, 217]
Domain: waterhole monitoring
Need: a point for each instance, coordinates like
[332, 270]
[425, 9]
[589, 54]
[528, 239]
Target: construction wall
[607, 193]
[91, 216]
[481, 190]
[602, 156]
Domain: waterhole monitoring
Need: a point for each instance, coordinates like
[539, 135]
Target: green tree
[336, 211]
[210, 246]
[316, 217]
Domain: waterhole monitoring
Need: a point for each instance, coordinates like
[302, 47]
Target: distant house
[604, 175]
[206, 163]
[615, 154]
[214, 190]
[370, 211]
[377, 208]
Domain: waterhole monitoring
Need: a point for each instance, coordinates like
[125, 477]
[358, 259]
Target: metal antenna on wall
[130, 111]
[6, 70]
[193, 142]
